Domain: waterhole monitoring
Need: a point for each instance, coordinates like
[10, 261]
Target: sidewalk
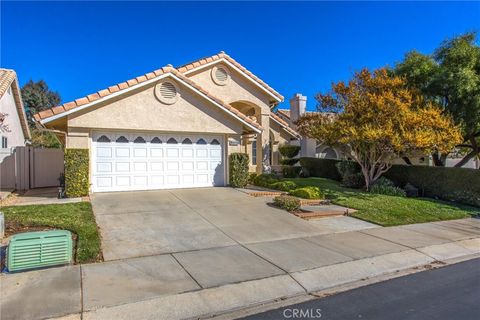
[152, 288]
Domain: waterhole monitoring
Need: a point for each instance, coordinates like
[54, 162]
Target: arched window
[103, 139]
[215, 142]
[186, 141]
[201, 141]
[156, 140]
[325, 153]
[122, 139]
[139, 140]
[172, 141]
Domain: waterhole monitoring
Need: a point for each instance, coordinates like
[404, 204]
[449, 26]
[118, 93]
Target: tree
[377, 119]
[450, 77]
[37, 97]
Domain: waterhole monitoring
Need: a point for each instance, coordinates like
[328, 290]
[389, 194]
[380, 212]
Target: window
[187, 141]
[215, 142]
[4, 142]
[254, 152]
[201, 141]
[103, 139]
[139, 140]
[172, 141]
[122, 139]
[156, 140]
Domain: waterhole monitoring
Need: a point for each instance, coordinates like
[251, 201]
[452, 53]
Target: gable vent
[168, 90]
[221, 75]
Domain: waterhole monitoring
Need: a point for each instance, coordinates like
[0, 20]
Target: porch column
[263, 145]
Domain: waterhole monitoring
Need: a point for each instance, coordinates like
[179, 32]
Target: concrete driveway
[137, 224]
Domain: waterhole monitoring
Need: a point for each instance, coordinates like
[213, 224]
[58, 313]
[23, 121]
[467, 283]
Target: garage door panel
[151, 163]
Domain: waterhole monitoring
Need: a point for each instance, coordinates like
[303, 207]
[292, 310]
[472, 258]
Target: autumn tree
[375, 118]
[450, 77]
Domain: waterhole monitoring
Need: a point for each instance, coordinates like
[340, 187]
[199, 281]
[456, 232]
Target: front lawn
[388, 210]
[75, 217]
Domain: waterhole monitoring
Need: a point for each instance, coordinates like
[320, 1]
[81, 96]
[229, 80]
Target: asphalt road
[451, 292]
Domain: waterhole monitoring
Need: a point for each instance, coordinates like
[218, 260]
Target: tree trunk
[438, 160]
[407, 160]
[472, 154]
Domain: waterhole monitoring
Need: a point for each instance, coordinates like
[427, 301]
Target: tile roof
[223, 55]
[132, 82]
[8, 78]
[285, 125]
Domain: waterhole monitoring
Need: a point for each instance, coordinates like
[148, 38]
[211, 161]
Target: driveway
[137, 224]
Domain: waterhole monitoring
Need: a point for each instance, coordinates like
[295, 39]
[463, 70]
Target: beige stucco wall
[141, 110]
[7, 105]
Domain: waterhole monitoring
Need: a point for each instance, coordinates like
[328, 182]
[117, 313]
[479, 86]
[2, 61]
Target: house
[174, 127]
[16, 132]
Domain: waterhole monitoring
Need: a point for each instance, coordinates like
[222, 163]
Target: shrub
[346, 167]
[387, 190]
[411, 190]
[384, 182]
[291, 172]
[251, 177]
[239, 170]
[283, 185]
[289, 151]
[288, 203]
[308, 193]
[353, 180]
[77, 182]
[264, 180]
[457, 184]
[288, 162]
[323, 168]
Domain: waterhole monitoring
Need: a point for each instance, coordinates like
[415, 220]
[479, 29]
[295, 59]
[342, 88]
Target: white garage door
[145, 161]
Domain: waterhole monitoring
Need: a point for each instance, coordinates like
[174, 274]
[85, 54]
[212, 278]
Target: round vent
[220, 75]
[167, 92]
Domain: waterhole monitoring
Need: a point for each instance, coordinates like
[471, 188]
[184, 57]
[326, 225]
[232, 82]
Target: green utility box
[31, 250]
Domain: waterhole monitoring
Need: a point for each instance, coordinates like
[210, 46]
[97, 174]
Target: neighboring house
[11, 104]
[174, 127]
[16, 132]
[313, 148]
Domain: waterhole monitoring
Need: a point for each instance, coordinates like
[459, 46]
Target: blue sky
[80, 48]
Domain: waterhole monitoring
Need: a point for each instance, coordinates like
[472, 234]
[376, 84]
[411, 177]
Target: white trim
[238, 70]
[113, 95]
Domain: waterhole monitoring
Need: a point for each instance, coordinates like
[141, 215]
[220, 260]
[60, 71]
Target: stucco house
[174, 127]
[11, 105]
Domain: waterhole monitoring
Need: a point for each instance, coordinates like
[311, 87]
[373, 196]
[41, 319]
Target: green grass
[388, 210]
[75, 217]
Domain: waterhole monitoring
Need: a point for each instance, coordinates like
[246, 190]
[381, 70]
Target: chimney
[298, 106]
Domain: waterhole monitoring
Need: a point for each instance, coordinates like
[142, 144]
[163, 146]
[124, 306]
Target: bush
[457, 184]
[384, 182]
[264, 180]
[308, 193]
[77, 182]
[346, 167]
[387, 190]
[283, 185]
[288, 162]
[239, 170]
[353, 180]
[291, 172]
[289, 151]
[288, 203]
[323, 168]
[251, 177]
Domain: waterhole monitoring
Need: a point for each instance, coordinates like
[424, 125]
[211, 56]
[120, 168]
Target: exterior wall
[142, 111]
[15, 136]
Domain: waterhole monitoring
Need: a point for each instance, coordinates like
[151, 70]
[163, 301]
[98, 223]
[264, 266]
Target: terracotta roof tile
[150, 75]
[132, 82]
[81, 101]
[93, 97]
[285, 125]
[70, 105]
[103, 93]
[123, 85]
[113, 89]
[141, 78]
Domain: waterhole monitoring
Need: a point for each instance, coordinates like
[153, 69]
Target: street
[450, 292]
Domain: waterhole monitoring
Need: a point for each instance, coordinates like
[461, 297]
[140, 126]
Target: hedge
[457, 184]
[77, 183]
[239, 170]
[324, 168]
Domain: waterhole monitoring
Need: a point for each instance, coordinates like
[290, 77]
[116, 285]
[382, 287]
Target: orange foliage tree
[376, 118]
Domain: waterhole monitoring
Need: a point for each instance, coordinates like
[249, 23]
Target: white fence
[24, 168]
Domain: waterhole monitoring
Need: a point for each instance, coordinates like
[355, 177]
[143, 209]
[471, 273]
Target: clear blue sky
[80, 48]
